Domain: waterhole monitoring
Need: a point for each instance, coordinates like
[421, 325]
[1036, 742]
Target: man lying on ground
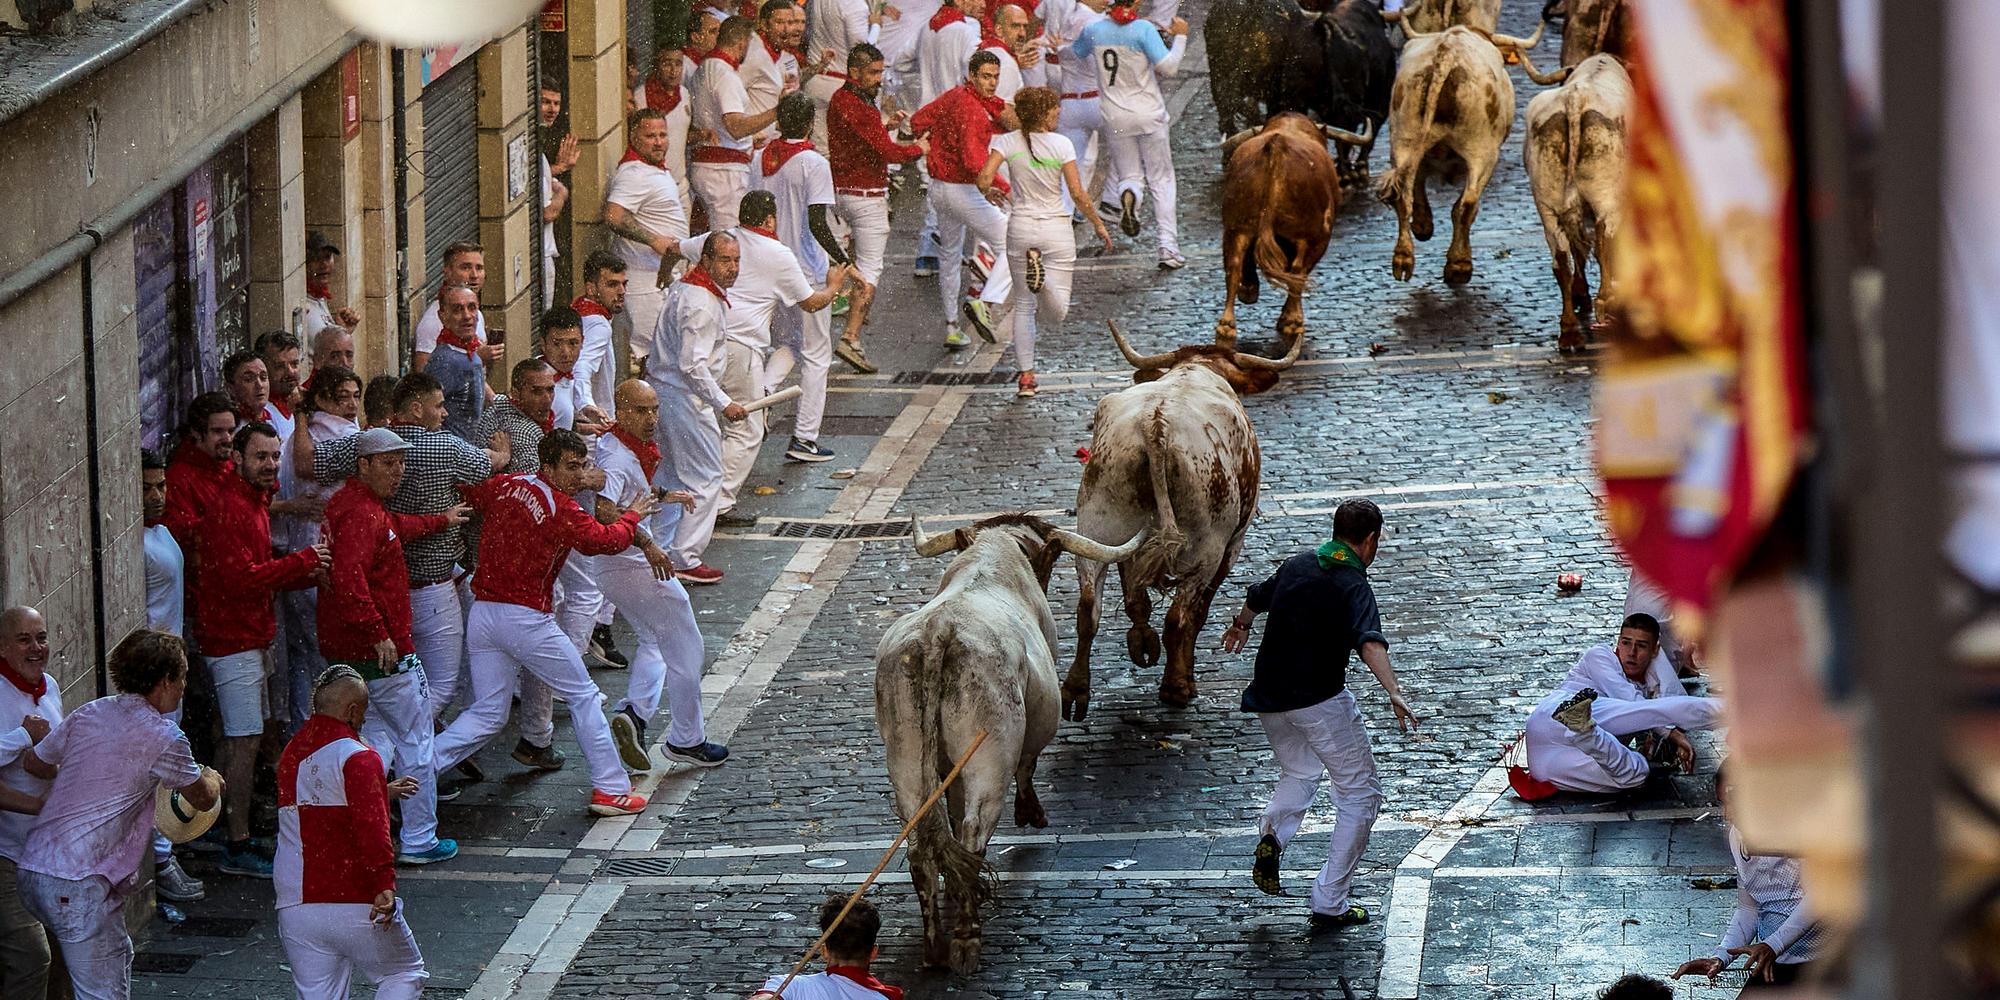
[1577, 736]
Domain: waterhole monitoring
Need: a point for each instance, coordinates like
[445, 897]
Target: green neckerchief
[1338, 553]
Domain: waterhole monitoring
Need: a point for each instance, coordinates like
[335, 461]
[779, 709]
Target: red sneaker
[606, 804]
[700, 574]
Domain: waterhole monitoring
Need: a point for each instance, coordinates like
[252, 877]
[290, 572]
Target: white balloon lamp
[434, 23]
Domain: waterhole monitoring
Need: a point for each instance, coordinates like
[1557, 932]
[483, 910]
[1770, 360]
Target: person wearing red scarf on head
[961, 124]
[850, 949]
[720, 171]
[640, 581]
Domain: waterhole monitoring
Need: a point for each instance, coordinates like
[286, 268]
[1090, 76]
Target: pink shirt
[98, 818]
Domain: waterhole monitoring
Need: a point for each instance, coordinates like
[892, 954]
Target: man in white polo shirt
[720, 172]
[798, 177]
[770, 70]
[643, 210]
[664, 90]
[465, 264]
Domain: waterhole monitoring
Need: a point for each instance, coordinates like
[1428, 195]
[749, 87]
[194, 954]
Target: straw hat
[177, 818]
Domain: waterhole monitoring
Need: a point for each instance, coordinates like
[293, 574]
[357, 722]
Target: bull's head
[1039, 540]
[1248, 374]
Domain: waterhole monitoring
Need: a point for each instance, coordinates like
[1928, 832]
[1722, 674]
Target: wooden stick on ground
[884, 863]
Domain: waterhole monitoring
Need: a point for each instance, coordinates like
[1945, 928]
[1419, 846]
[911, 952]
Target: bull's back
[1282, 170]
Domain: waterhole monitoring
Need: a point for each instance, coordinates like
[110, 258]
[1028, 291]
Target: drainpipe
[94, 449]
[400, 137]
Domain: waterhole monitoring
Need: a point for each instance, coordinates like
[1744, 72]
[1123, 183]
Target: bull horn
[1545, 79]
[1251, 362]
[1361, 138]
[1229, 145]
[1137, 360]
[1094, 550]
[933, 545]
[1392, 16]
[1510, 42]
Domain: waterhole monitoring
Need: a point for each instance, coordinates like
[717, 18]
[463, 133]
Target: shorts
[239, 691]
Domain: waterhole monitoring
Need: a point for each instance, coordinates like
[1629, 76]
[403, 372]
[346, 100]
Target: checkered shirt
[432, 469]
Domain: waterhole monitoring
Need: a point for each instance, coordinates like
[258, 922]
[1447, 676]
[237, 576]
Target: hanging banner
[1701, 408]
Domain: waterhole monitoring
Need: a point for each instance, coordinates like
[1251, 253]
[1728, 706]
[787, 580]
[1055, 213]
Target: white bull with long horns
[980, 656]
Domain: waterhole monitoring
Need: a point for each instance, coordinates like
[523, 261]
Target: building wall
[597, 117]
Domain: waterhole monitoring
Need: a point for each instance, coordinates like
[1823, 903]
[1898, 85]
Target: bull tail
[1393, 183]
[1574, 114]
[1270, 257]
[933, 845]
[1155, 558]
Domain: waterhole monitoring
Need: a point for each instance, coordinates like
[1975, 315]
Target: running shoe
[855, 357]
[700, 755]
[699, 574]
[1334, 921]
[471, 770]
[1025, 387]
[1171, 260]
[540, 758]
[955, 339]
[1264, 869]
[1033, 269]
[839, 306]
[1575, 712]
[447, 793]
[927, 267]
[630, 735]
[173, 882]
[444, 850]
[731, 519]
[607, 650]
[981, 316]
[1128, 213]
[808, 451]
[247, 863]
[606, 804]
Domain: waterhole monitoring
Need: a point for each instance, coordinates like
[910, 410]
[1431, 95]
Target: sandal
[855, 357]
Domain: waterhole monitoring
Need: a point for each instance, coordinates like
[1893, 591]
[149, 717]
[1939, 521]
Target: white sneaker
[172, 882]
[1171, 260]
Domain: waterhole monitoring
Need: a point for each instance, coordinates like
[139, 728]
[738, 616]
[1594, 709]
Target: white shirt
[564, 404]
[1035, 180]
[804, 181]
[165, 577]
[839, 25]
[687, 344]
[1770, 906]
[822, 986]
[98, 818]
[1065, 20]
[718, 91]
[896, 38]
[769, 277]
[1129, 59]
[624, 483]
[767, 77]
[429, 326]
[15, 705]
[653, 197]
[1011, 80]
[548, 195]
[595, 377]
[939, 57]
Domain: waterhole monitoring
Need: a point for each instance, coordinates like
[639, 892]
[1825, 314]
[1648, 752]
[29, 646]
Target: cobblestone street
[1448, 406]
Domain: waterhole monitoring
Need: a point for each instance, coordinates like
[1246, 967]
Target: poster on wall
[434, 62]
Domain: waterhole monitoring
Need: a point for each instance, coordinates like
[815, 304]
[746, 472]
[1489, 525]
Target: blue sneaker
[247, 863]
[927, 267]
[700, 755]
[445, 850]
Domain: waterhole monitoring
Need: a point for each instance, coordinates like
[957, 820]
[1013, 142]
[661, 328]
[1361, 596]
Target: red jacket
[369, 596]
[961, 125]
[239, 573]
[193, 479]
[860, 149]
[333, 818]
[541, 526]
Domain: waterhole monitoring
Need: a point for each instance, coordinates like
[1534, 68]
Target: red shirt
[541, 526]
[961, 125]
[193, 479]
[333, 818]
[369, 599]
[239, 573]
[859, 147]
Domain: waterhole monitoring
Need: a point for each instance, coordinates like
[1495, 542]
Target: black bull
[1268, 56]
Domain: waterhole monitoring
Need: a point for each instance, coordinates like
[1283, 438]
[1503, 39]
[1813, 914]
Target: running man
[1130, 60]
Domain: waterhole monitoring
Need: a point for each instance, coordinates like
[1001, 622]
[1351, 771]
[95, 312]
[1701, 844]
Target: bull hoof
[1028, 811]
[965, 956]
[1570, 343]
[937, 955]
[1178, 695]
[1225, 331]
[1142, 644]
[1457, 272]
[1420, 226]
[1075, 703]
[1403, 265]
[1247, 293]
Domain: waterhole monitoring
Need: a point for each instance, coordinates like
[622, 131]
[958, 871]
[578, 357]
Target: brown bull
[1279, 193]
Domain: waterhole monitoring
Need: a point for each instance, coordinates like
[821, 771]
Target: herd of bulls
[1173, 471]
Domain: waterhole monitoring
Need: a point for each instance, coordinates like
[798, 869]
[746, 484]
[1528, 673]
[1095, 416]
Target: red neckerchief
[993, 106]
[724, 56]
[947, 15]
[321, 292]
[548, 420]
[451, 339]
[648, 452]
[282, 407]
[696, 54]
[748, 10]
[698, 277]
[992, 43]
[1123, 13]
[770, 50]
[767, 233]
[247, 414]
[866, 980]
[632, 156]
[776, 153]
[587, 306]
[35, 690]
[658, 97]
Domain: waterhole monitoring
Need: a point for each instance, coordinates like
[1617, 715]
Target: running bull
[1173, 456]
[979, 656]
[1280, 190]
[1336, 66]
[1575, 154]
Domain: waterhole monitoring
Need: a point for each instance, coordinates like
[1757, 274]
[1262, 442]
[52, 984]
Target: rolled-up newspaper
[785, 395]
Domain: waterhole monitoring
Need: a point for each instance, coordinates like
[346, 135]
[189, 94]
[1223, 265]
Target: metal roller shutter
[639, 22]
[450, 165]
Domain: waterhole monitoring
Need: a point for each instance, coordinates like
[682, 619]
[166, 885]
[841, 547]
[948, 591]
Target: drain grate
[953, 378]
[637, 868]
[165, 963]
[216, 927]
[862, 531]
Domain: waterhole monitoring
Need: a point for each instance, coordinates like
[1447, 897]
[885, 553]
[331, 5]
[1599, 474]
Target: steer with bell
[980, 656]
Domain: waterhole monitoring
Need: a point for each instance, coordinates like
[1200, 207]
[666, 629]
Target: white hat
[177, 819]
[379, 441]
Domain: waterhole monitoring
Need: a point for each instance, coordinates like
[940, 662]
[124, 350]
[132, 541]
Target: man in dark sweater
[1321, 610]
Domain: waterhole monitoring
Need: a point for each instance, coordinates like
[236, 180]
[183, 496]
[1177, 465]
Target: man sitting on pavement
[1576, 736]
[849, 951]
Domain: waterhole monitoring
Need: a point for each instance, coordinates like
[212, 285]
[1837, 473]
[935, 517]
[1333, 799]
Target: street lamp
[431, 23]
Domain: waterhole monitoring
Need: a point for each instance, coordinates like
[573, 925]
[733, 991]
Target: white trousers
[1081, 121]
[88, 919]
[669, 653]
[691, 444]
[821, 88]
[742, 377]
[1142, 156]
[720, 186]
[1327, 738]
[1045, 310]
[501, 641]
[1597, 761]
[961, 209]
[327, 943]
[805, 339]
[437, 628]
[398, 726]
[644, 301]
[867, 218]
